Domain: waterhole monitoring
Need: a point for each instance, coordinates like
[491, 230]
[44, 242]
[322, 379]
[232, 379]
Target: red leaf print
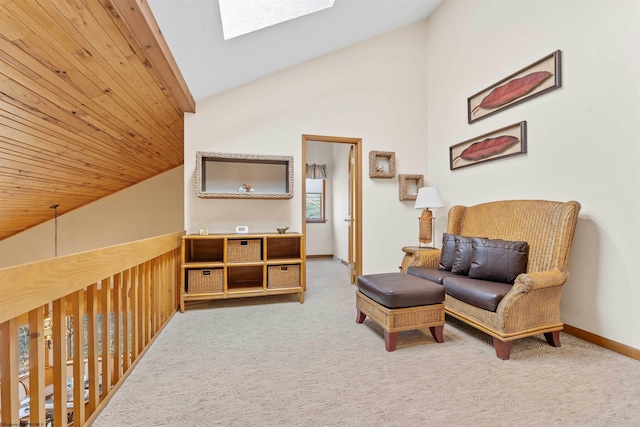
[487, 147]
[513, 90]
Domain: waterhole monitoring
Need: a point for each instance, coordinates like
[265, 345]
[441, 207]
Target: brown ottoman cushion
[400, 290]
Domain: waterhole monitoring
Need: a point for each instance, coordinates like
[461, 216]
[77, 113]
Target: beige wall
[151, 208]
[331, 237]
[583, 139]
[319, 236]
[406, 92]
[375, 90]
[340, 196]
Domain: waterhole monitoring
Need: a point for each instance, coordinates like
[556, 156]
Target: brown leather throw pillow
[497, 260]
[447, 254]
[462, 255]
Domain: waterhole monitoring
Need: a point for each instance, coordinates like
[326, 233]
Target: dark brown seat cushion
[400, 290]
[429, 273]
[484, 294]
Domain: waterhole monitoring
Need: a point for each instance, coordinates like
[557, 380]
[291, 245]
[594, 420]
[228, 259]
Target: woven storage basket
[244, 250]
[205, 280]
[283, 276]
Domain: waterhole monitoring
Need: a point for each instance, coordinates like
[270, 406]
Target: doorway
[353, 215]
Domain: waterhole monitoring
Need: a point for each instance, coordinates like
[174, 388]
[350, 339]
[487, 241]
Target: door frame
[357, 194]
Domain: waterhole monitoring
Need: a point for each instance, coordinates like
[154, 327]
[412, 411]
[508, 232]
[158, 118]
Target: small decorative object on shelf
[203, 231]
[408, 186]
[282, 230]
[246, 188]
[242, 229]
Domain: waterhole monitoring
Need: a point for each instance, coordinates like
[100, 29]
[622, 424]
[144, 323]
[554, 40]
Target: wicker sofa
[531, 305]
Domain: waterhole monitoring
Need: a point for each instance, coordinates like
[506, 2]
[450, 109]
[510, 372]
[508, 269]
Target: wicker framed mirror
[243, 176]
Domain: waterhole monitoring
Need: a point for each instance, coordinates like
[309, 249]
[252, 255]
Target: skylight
[245, 16]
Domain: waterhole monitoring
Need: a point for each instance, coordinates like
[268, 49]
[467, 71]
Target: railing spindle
[37, 414]
[117, 327]
[59, 363]
[93, 366]
[105, 315]
[135, 325]
[126, 345]
[78, 357]
[9, 372]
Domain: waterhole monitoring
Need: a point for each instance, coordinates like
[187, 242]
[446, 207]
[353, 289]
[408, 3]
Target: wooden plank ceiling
[91, 102]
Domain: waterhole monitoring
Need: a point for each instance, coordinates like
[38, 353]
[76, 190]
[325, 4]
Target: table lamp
[428, 197]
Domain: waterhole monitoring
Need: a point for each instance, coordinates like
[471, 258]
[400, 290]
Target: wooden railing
[106, 306]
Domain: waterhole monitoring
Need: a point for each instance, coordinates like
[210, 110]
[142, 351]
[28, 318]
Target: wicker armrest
[429, 258]
[542, 279]
[533, 301]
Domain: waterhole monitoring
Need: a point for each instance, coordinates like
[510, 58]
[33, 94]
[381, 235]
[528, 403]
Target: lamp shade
[428, 197]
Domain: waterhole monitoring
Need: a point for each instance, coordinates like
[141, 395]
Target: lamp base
[425, 223]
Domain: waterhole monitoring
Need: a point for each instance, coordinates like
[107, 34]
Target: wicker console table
[221, 266]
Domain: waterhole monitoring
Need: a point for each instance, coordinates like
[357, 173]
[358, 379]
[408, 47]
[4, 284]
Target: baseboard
[333, 257]
[626, 350]
[631, 352]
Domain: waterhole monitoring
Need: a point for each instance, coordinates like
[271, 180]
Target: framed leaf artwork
[540, 77]
[506, 142]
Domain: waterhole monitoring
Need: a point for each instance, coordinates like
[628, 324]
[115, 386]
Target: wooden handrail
[132, 288]
[28, 286]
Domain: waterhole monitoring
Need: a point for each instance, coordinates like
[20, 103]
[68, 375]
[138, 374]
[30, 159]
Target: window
[315, 200]
[243, 17]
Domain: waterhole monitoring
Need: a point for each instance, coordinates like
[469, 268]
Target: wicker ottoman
[400, 302]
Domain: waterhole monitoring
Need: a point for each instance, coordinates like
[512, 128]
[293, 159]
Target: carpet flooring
[276, 362]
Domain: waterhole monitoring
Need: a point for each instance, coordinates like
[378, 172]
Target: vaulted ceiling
[87, 106]
[211, 65]
[92, 100]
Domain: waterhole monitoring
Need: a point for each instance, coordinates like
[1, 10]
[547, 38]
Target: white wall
[406, 92]
[151, 208]
[340, 199]
[331, 237]
[319, 236]
[375, 90]
[582, 138]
